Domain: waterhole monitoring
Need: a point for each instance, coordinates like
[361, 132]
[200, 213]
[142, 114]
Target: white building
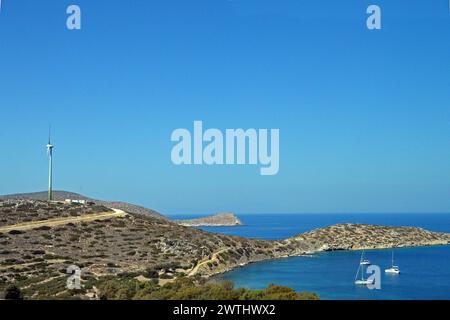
[75, 201]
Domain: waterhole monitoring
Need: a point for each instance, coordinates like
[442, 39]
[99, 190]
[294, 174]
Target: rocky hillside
[217, 220]
[138, 245]
[104, 242]
[361, 236]
[63, 195]
[14, 212]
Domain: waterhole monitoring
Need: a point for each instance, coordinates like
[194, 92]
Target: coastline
[312, 255]
[176, 251]
[425, 274]
[318, 240]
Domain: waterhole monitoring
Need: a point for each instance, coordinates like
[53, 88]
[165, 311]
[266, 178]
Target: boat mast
[392, 258]
[362, 266]
[359, 267]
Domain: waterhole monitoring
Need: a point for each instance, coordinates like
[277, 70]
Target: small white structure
[75, 201]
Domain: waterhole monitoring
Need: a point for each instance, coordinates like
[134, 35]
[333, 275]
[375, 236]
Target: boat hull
[392, 271]
[363, 282]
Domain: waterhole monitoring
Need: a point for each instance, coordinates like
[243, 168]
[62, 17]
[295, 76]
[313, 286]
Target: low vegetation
[193, 289]
[139, 256]
[126, 288]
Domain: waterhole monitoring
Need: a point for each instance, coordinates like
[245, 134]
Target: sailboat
[393, 269]
[362, 262]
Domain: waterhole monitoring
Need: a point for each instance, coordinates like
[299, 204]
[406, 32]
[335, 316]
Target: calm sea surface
[425, 271]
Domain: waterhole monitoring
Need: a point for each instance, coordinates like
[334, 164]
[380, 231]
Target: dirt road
[205, 261]
[62, 221]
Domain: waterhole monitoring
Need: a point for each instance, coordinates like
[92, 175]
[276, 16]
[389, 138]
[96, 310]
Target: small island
[217, 220]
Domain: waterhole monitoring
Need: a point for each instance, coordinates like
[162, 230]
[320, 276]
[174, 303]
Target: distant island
[217, 220]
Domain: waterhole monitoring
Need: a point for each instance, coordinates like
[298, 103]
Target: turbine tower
[50, 167]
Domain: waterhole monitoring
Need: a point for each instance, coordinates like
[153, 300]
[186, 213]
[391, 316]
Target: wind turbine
[50, 166]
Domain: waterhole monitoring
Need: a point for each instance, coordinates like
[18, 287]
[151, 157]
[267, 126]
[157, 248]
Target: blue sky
[364, 116]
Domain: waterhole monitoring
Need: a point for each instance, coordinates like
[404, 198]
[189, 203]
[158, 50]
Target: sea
[425, 271]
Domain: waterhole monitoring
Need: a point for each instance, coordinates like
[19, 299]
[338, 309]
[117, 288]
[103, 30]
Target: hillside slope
[62, 195]
[145, 246]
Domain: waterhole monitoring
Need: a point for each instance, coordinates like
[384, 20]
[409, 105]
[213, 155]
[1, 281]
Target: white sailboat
[363, 282]
[393, 269]
[363, 260]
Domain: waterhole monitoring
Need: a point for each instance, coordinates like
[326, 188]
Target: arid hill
[363, 236]
[39, 240]
[63, 195]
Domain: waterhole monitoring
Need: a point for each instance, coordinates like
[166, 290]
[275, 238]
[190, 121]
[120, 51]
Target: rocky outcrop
[217, 220]
[363, 236]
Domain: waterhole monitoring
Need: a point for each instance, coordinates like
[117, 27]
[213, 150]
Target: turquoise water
[425, 271]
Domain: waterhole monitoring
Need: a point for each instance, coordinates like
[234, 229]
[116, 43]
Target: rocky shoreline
[337, 237]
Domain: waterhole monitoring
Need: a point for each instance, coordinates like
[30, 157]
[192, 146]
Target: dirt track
[205, 261]
[62, 221]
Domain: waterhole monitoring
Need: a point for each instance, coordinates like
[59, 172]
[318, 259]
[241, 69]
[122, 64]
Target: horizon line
[241, 213]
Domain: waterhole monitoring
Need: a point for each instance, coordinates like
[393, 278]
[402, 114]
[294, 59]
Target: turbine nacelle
[49, 148]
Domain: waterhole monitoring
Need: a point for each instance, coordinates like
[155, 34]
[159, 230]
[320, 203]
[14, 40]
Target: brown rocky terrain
[149, 247]
[136, 244]
[15, 212]
[63, 195]
[362, 236]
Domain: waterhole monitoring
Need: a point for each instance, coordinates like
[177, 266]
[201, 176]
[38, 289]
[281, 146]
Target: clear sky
[364, 116]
